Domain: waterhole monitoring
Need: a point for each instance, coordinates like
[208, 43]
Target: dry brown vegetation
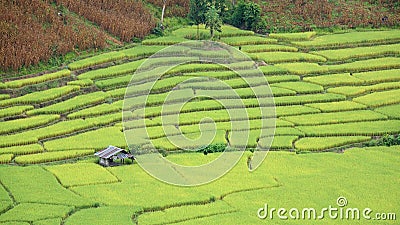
[34, 31]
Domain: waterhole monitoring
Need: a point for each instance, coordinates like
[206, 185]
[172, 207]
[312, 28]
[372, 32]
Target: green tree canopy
[213, 20]
[246, 15]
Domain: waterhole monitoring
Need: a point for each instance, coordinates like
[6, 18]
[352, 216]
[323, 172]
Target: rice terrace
[307, 117]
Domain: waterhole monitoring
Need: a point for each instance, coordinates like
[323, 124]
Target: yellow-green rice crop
[247, 40]
[300, 87]
[22, 149]
[81, 83]
[303, 36]
[72, 104]
[111, 71]
[309, 98]
[5, 158]
[360, 52]
[282, 57]
[141, 51]
[94, 111]
[41, 96]
[280, 142]
[97, 139]
[379, 98]
[51, 156]
[95, 60]
[89, 174]
[337, 106]
[268, 48]
[351, 39]
[26, 123]
[371, 128]
[15, 110]
[335, 117]
[35, 211]
[393, 111]
[335, 79]
[27, 190]
[379, 76]
[303, 68]
[38, 79]
[166, 40]
[16, 139]
[323, 143]
[358, 90]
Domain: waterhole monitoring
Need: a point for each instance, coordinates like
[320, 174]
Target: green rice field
[333, 95]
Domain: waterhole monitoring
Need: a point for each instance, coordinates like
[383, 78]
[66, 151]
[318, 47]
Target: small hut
[111, 153]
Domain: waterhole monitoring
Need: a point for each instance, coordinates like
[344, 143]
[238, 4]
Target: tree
[197, 11]
[246, 15]
[199, 8]
[252, 14]
[212, 20]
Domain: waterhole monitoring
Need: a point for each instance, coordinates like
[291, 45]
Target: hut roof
[111, 151]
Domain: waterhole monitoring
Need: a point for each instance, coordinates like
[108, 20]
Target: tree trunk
[198, 30]
[162, 13]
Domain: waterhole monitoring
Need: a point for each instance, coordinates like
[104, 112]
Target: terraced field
[331, 92]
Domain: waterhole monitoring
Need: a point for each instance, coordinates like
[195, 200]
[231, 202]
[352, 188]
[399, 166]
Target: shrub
[218, 147]
[385, 140]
